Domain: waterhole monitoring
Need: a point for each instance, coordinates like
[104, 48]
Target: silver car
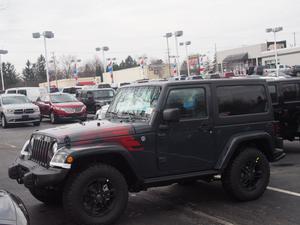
[16, 108]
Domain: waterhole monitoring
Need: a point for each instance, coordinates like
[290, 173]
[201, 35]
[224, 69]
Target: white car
[16, 108]
[100, 114]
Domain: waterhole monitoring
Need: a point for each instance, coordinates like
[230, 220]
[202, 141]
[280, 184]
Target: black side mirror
[171, 115]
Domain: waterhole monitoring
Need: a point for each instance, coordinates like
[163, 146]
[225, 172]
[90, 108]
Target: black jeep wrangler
[155, 134]
[285, 95]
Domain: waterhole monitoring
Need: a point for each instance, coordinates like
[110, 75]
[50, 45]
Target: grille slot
[28, 111]
[18, 111]
[41, 150]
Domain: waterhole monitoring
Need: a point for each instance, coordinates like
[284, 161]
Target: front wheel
[96, 195]
[36, 124]
[247, 176]
[3, 122]
[53, 118]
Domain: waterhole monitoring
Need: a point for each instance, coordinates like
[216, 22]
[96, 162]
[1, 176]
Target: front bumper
[23, 118]
[32, 174]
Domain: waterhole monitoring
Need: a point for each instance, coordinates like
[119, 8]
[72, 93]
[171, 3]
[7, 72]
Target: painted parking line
[284, 191]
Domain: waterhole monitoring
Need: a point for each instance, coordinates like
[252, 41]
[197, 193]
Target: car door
[186, 145]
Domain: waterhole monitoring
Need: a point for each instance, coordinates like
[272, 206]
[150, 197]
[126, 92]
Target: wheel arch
[119, 159]
[262, 141]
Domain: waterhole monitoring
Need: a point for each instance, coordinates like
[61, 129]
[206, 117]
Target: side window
[240, 100]
[273, 92]
[11, 92]
[190, 101]
[22, 92]
[290, 92]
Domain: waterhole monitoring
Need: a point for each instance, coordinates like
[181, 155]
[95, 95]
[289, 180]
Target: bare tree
[65, 63]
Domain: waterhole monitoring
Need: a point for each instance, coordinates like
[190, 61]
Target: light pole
[142, 65]
[186, 44]
[45, 34]
[111, 69]
[2, 52]
[75, 71]
[167, 36]
[104, 49]
[274, 31]
[177, 34]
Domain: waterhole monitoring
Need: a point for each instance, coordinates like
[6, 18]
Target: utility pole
[294, 39]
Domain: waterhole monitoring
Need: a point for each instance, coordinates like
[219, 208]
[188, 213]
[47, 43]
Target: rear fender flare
[233, 144]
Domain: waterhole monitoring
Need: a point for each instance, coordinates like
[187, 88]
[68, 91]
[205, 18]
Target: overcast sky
[136, 27]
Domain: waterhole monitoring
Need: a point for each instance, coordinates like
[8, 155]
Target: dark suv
[285, 94]
[155, 134]
[94, 99]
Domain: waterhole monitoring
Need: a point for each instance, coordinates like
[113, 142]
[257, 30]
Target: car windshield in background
[103, 94]
[11, 100]
[71, 90]
[134, 102]
[62, 98]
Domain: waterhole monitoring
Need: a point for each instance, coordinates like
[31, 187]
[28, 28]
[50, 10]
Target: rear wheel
[47, 195]
[96, 195]
[3, 122]
[247, 177]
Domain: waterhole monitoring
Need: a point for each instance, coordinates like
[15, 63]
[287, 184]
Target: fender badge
[143, 138]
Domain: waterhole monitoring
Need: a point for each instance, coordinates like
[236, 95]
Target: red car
[61, 106]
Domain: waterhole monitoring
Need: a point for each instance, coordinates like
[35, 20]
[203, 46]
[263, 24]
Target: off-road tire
[73, 196]
[232, 178]
[47, 195]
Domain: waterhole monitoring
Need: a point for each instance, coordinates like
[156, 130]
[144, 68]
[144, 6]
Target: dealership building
[238, 60]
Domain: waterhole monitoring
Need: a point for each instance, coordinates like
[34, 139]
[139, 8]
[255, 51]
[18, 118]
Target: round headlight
[55, 147]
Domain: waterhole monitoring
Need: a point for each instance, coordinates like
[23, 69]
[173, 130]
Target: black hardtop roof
[193, 82]
[293, 79]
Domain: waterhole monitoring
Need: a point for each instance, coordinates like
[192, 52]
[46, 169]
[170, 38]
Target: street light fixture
[274, 31]
[186, 44]
[45, 34]
[2, 52]
[104, 49]
[167, 36]
[177, 34]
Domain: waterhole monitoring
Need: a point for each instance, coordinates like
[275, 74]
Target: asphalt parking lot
[202, 203]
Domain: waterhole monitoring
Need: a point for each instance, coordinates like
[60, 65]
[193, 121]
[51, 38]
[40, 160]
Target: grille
[28, 111]
[42, 150]
[21, 111]
[18, 111]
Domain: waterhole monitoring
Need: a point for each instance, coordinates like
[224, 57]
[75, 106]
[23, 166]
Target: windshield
[62, 98]
[71, 90]
[103, 94]
[10, 100]
[134, 102]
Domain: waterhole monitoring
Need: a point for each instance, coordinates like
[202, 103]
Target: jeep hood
[88, 132]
